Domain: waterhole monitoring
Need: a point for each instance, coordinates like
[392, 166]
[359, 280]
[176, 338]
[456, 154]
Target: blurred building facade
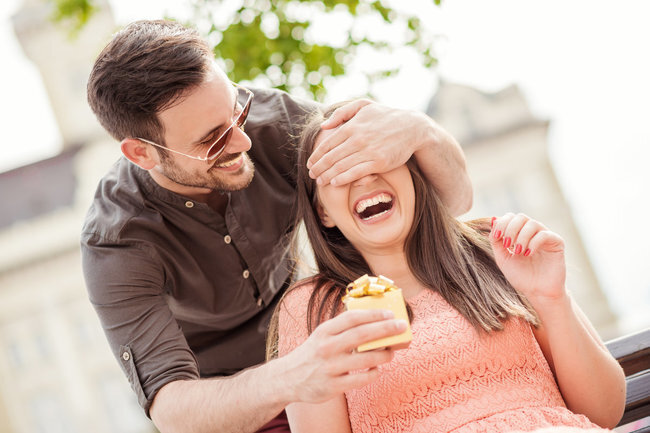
[506, 149]
[56, 371]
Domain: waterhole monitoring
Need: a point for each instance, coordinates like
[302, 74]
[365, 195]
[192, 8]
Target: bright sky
[583, 64]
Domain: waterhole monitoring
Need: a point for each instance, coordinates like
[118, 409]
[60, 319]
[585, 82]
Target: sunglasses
[219, 145]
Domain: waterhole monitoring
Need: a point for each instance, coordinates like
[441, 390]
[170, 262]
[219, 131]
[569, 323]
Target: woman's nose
[365, 180]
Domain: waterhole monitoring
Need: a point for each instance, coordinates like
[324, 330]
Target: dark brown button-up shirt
[183, 292]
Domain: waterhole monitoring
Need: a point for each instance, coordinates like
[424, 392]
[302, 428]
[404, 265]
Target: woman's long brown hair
[448, 256]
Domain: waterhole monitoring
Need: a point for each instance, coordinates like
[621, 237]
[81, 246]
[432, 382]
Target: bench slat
[632, 351]
[645, 429]
[637, 401]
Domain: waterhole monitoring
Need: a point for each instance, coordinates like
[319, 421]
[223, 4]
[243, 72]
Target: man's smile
[231, 164]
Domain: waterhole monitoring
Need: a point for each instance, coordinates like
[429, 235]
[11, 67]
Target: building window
[16, 355]
[121, 406]
[43, 347]
[49, 415]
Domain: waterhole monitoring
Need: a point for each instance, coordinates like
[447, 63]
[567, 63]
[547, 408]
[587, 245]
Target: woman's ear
[324, 216]
[139, 153]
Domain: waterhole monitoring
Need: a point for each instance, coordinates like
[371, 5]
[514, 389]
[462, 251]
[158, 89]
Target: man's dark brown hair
[145, 69]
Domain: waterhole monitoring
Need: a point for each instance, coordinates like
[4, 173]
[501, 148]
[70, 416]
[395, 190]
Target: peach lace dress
[450, 379]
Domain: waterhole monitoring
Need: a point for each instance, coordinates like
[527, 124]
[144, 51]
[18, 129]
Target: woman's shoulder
[294, 305]
[298, 295]
[292, 316]
[309, 298]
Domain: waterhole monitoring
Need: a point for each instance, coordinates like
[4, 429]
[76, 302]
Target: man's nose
[365, 180]
[239, 142]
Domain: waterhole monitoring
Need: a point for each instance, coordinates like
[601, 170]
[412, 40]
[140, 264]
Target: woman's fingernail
[527, 252]
[506, 242]
[493, 219]
[518, 249]
[497, 234]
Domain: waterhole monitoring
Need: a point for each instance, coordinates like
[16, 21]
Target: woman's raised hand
[530, 256]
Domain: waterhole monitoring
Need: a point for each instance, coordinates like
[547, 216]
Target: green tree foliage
[296, 44]
[73, 13]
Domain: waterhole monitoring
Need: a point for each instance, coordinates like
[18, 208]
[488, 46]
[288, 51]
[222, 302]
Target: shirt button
[189, 204]
[259, 302]
[227, 239]
[246, 273]
[126, 356]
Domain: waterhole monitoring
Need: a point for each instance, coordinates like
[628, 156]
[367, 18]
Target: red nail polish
[518, 249]
[493, 219]
[527, 252]
[506, 242]
[497, 234]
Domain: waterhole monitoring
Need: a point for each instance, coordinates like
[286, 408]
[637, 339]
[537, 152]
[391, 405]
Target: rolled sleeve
[125, 286]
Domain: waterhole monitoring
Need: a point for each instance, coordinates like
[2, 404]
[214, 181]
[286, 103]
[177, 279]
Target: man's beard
[213, 178]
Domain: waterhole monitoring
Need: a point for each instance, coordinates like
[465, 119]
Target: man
[184, 248]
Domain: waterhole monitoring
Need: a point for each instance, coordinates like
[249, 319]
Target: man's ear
[324, 216]
[139, 153]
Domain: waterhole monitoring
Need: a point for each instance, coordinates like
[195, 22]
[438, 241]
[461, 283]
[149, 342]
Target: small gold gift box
[370, 293]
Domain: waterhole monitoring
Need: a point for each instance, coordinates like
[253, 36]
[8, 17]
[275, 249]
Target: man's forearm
[442, 161]
[324, 366]
[241, 403]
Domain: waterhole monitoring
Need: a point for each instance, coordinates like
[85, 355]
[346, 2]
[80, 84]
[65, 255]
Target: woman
[498, 343]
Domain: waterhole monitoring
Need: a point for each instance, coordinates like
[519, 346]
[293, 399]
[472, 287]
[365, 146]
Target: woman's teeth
[231, 162]
[374, 206]
[379, 198]
[374, 215]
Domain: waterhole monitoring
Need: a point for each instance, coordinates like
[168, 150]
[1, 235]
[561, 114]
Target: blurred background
[550, 101]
